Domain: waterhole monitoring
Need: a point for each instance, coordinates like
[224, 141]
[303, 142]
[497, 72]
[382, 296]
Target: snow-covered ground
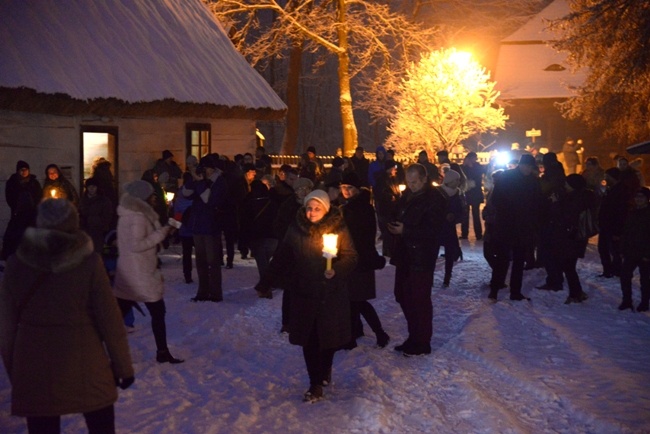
[509, 367]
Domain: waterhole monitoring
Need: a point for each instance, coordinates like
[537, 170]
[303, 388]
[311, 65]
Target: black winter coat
[387, 196]
[635, 239]
[316, 300]
[422, 214]
[564, 241]
[23, 197]
[360, 219]
[517, 200]
[613, 210]
[258, 212]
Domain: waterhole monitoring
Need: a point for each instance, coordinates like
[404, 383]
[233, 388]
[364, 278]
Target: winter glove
[124, 383]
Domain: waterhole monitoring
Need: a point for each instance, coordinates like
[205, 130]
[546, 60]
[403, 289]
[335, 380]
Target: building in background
[123, 81]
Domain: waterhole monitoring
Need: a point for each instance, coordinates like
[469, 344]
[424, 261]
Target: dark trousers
[568, 267]
[502, 262]
[286, 305]
[319, 362]
[208, 266]
[100, 421]
[187, 243]
[263, 249]
[230, 236]
[157, 311]
[452, 254]
[610, 253]
[627, 271]
[386, 237]
[365, 309]
[489, 249]
[413, 293]
[475, 210]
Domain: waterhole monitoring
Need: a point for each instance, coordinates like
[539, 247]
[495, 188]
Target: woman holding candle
[57, 186]
[320, 306]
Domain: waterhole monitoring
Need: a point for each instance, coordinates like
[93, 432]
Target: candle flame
[329, 245]
[53, 193]
[402, 187]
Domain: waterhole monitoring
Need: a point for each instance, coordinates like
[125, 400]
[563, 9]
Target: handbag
[587, 224]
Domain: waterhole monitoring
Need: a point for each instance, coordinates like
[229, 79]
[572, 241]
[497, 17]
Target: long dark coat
[96, 215]
[360, 219]
[517, 200]
[63, 354]
[316, 300]
[23, 196]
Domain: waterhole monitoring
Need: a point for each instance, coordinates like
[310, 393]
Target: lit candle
[402, 187]
[329, 248]
[169, 196]
[53, 193]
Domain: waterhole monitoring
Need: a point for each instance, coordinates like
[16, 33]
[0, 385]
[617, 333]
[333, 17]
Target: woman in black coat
[320, 305]
[566, 243]
[360, 219]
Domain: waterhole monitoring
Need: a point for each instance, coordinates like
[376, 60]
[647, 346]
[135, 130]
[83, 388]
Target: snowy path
[511, 367]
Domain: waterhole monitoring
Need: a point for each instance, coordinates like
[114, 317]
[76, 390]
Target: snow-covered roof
[527, 67]
[536, 29]
[132, 50]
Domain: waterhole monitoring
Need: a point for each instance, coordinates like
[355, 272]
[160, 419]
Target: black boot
[165, 356]
[643, 306]
[626, 304]
[445, 282]
[382, 338]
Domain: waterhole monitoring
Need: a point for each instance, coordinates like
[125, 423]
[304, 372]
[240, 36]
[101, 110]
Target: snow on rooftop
[529, 68]
[135, 51]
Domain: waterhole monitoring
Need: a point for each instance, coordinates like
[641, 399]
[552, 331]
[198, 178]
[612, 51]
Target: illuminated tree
[610, 39]
[444, 99]
[363, 35]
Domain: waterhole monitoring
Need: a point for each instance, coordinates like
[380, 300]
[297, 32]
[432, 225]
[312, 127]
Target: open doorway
[97, 143]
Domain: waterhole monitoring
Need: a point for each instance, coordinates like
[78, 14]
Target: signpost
[533, 133]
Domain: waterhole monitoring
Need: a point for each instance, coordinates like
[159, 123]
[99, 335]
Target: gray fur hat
[140, 189]
[58, 214]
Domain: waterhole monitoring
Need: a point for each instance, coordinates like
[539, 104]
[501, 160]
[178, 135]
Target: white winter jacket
[138, 234]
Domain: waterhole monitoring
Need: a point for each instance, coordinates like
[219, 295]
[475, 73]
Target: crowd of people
[534, 214]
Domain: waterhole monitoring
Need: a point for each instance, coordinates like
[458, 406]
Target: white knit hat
[320, 196]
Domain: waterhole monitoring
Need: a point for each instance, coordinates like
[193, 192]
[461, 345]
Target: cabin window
[198, 139]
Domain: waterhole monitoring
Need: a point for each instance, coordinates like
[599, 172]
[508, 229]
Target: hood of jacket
[54, 251]
[131, 204]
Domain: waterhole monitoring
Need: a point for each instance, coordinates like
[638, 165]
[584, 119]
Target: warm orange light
[53, 193]
[402, 187]
[329, 248]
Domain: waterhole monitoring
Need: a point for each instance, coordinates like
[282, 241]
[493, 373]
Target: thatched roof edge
[28, 100]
